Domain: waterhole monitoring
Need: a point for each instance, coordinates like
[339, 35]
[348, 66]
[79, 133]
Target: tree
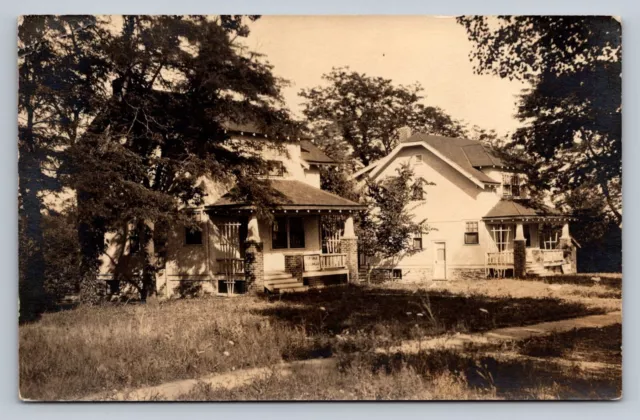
[60, 80]
[363, 114]
[572, 112]
[386, 227]
[175, 82]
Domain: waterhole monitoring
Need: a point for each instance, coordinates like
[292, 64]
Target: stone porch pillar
[519, 252]
[349, 246]
[253, 257]
[565, 238]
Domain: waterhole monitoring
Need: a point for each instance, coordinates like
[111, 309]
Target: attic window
[418, 159]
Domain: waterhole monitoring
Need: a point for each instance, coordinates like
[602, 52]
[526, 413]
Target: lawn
[80, 352]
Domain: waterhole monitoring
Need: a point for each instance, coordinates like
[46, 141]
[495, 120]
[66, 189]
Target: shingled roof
[469, 155]
[516, 209]
[296, 195]
[312, 154]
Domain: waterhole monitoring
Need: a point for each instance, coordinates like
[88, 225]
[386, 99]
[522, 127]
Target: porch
[545, 247]
[308, 241]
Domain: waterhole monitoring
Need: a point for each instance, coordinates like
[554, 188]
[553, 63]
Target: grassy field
[75, 353]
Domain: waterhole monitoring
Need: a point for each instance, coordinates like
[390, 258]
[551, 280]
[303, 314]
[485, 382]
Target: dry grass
[71, 354]
[79, 352]
[595, 296]
[350, 383]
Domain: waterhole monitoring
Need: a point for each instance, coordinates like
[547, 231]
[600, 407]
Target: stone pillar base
[519, 259]
[254, 267]
[349, 246]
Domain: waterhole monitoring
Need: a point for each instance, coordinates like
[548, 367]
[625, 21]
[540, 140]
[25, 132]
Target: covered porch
[526, 241]
[307, 241]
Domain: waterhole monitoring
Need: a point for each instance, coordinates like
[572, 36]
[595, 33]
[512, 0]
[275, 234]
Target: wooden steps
[283, 282]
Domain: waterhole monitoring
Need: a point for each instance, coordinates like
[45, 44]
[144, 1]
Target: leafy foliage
[134, 108]
[386, 227]
[363, 114]
[572, 113]
[61, 78]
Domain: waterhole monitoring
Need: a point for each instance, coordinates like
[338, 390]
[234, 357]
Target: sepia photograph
[319, 208]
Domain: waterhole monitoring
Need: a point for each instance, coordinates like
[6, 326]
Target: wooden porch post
[519, 252]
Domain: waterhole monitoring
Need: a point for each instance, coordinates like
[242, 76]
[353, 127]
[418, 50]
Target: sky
[433, 51]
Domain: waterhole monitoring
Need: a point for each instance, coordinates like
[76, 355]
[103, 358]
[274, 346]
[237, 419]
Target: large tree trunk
[31, 253]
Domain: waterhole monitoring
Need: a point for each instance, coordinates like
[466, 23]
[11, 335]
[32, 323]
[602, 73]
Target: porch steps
[536, 270]
[283, 282]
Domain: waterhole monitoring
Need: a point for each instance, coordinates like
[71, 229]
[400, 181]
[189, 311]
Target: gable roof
[464, 155]
[296, 195]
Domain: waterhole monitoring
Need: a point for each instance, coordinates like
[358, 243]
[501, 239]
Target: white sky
[431, 50]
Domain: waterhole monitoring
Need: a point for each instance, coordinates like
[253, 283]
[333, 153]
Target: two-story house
[234, 250]
[479, 212]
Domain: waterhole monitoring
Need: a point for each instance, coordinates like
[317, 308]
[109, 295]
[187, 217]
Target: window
[279, 233]
[276, 168]
[511, 185]
[471, 236]
[417, 190]
[417, 159]
[416, 244]
[114, 287]
[296, 232]
[287, 233]
[549, 238]
[501, 237]
[192, 236]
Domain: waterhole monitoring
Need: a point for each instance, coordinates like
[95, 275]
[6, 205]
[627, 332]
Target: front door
[440, 261]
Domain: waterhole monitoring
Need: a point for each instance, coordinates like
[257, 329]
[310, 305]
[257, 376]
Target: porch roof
[294, 195]
[510, 210]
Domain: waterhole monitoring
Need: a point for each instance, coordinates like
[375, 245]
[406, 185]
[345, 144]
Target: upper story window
[512, 185]
[417, 159]
[417, 190]
[276, 168]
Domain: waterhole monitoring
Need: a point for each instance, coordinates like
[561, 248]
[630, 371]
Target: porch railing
[552, 256]
[500, 259]
[230, 265]
[332, 261]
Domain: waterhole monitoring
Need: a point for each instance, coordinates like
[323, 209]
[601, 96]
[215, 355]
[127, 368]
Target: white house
[482, 220]
[235, 251]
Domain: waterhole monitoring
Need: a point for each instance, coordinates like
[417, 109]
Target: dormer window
[512, 185]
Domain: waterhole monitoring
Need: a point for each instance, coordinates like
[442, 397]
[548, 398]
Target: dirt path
[501, 335]
[229, 380]
[235, 379]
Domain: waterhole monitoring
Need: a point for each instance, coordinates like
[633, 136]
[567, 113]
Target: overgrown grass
[350, 383]
[80, 352]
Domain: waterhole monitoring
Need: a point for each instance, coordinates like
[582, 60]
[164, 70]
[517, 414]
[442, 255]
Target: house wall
[197, 263]
[448, 205]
